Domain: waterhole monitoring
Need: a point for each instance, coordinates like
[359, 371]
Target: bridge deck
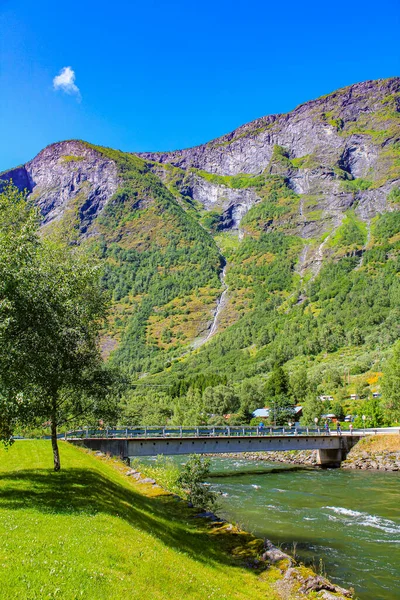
[214, 445]
[152, 441]
[195, 432]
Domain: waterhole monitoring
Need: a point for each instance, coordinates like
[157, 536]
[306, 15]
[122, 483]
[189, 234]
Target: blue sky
[160, 75]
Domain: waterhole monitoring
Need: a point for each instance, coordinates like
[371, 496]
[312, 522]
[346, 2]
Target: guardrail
[189, 432]
[207, 431]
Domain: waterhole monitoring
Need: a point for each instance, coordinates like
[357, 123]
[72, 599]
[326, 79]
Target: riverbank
[92, 531]
[306, 458]
[295, 580]
[375, 452]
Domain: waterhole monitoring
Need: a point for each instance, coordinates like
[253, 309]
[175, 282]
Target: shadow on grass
[74, 491]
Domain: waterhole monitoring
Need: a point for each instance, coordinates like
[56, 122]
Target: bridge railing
[201, 431]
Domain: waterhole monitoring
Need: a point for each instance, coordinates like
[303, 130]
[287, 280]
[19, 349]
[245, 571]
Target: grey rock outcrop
[68, 175]
[345, 135]
[233, 203]
[304, 131]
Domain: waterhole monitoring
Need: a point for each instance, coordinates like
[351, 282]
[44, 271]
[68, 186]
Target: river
[348, 519]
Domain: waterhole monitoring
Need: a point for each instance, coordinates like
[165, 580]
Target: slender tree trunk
[54, 441]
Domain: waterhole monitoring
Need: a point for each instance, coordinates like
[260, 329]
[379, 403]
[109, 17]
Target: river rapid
[349, 520]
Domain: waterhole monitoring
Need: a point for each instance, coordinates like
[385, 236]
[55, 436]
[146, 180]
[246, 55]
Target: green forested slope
[160, 266]
[337, 326]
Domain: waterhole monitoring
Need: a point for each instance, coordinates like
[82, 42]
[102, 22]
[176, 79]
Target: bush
[191, 481]
[394, 195]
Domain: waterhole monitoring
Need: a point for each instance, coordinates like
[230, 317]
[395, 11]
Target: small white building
[262, 413]
[330, 417]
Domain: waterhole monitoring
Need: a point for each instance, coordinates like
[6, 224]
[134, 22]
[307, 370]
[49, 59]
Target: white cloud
[65, 81]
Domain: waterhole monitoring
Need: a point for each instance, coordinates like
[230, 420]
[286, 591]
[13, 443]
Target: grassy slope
[379, 443]
[91, 532]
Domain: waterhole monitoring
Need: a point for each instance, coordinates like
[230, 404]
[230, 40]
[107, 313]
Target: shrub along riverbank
[90, 531]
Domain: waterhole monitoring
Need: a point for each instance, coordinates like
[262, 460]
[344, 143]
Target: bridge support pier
[331, 457]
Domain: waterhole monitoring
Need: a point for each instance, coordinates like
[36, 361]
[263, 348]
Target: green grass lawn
[90, 532]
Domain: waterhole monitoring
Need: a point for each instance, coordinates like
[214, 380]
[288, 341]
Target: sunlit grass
[379, 443]
[91, 532]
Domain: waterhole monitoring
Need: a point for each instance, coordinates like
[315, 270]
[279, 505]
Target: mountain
[276, 243]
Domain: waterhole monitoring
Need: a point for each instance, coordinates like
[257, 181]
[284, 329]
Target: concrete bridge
[136, 442]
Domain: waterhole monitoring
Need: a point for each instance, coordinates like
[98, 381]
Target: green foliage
[147, 407]
[280, 403]
[165, 472]
[346, 308]
[191, 479]
[337, 123]
[200, 382]
[278, 382]
[265, 213]
[280, 161]
[373, 411]
[281, 410]
[160, 261]
[50, 315]
[220, 400]
[252, 395]
[299, 385]
[263, 266]
[308, 161]
[155, 251]
[71, 158]
[188, 410]
[211, 219]
[387, 225]
[351, 234]
[198, 401]
[278, 202]
[394, 195]
[280, 152]
[357, 185]
[313, 408]
[391, 386]
[240, 181]
[336, 409]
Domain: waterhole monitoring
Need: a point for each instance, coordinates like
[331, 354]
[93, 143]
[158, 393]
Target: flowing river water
[350, 520]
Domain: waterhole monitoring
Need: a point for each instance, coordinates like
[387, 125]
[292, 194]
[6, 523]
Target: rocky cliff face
[329, 128]
[350, 135]
[65, 175]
